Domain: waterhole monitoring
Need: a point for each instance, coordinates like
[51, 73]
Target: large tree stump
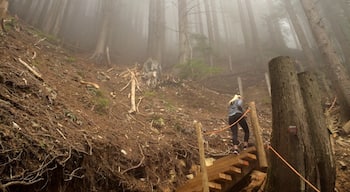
[318, 129]
[290, 135]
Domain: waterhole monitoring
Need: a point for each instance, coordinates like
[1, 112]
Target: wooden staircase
[225, 172]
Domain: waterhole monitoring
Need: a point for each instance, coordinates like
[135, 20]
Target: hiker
[235, 112]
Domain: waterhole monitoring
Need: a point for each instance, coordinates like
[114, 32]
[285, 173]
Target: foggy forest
[224, 34]
[69, 124]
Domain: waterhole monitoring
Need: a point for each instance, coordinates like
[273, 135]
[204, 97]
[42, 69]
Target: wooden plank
[229, 157]
[225, 176]
[245, 170]
[213, 185]
[250, 157]
[234, 170]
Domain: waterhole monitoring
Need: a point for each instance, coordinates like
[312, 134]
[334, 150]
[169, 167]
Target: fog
[229, 35]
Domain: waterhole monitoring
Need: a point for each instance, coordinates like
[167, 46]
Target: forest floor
[68, 128]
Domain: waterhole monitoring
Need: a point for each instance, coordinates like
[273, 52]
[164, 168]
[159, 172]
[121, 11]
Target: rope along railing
[227, 127]
[292, 168]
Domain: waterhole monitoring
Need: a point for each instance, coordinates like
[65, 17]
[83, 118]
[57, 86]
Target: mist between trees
[218, 35]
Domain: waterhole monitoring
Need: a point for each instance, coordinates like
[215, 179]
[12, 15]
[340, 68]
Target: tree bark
[340, 74]
[290, 134]
[184, 50]
[210, 31]
[310, 59]
[156, 33]
[318, 129]
[100, 54]
[244, 26]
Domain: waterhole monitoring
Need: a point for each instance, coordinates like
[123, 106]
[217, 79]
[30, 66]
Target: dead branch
[105, 75]
[69, 156]
[35, 73]
[34, 55]
[109, 70]
[40, 40]
[138, 165]
[72, 174]
[133, 90]
[138, 103]
[90, 83]
[333, 104]
[90, 147]
[60, 132]
[122, 89]
[6, 185]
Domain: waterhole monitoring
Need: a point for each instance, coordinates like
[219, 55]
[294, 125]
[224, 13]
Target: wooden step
[215, 186]
[233, 170]
[229, 169]
[222, 178]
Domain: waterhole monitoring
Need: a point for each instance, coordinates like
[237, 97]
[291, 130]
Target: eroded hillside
[65, 123]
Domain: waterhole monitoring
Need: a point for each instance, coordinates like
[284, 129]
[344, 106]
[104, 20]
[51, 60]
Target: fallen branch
[59, 131]
[105, 75]
[90, 83]
[40, 40]
[35, 73]
[109, 70]
[122, 89]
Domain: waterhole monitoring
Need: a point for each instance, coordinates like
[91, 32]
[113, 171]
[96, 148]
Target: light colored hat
[237, 96]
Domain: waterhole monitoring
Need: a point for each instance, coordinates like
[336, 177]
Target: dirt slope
[60, 133]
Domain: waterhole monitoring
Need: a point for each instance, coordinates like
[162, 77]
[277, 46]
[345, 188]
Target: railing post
[205, 181]
[258, 137]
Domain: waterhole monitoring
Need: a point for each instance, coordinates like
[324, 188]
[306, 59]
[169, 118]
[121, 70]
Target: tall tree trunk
[228, 41]
[310, 58]
[199, 18]
[290, 132]
[156, 34]
[340, 74]
[51, 15]
[340, 25]
[184, 50]
[59, 19]
[100, 54]
[245, 28]
[215, 22]
[274, 30]
[318, 129]
[210, 31]
[255, 35]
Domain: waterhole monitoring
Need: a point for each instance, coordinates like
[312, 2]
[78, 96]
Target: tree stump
[318, 129]
[290, 134]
